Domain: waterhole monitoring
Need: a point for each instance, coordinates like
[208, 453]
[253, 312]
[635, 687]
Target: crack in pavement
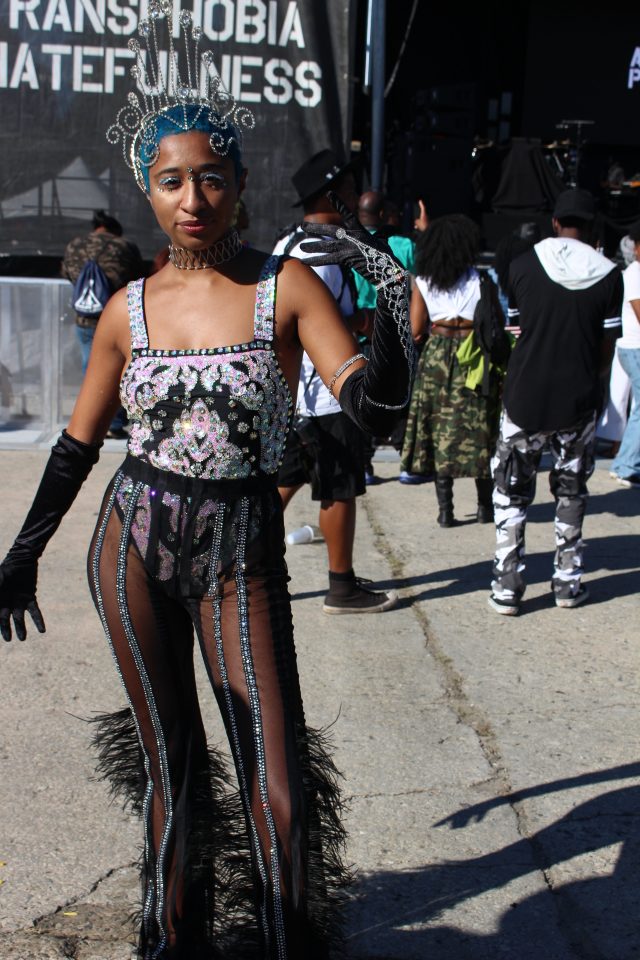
[467, 713]
[77, 929]
[74, 901]
[384, 793]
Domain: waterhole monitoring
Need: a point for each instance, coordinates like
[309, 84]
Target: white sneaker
[567, 603]
[508, 608]
[628, 482]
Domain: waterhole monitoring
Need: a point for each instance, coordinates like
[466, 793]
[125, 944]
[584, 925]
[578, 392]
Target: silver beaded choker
[219, 252]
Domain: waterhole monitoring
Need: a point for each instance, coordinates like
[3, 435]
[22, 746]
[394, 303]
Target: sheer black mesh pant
[193, 852]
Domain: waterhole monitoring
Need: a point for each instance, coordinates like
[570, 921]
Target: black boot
[444, 493]
[484, 487]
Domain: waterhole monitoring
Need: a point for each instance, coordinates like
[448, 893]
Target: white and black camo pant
[514, 468]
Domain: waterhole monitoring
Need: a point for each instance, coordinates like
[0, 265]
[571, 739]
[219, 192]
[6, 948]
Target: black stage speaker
[457, 96]
[440, 173]
[446, 111]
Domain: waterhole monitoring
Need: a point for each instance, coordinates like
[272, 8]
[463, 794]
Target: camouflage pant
[514, 469]
[451, 430]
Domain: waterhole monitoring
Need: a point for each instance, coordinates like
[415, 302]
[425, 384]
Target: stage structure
[64, 73]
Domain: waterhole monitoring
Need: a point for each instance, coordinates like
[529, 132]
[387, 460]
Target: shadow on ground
[397, 914]
[617, 554]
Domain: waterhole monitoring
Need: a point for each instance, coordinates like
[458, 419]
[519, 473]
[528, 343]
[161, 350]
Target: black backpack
[91, 291]
[488, 328]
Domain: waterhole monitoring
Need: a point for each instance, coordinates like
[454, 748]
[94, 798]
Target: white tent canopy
[73, 193]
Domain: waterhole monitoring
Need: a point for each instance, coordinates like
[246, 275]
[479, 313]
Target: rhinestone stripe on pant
[94, 576]
[233, 725]
[256, 718]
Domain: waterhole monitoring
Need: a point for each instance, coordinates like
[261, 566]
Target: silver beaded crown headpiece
[182, 94]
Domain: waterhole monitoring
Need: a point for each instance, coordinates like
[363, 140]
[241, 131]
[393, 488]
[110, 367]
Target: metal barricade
[40, 363]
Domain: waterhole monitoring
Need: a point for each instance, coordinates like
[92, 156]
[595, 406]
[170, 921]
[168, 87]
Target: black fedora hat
[317, 174]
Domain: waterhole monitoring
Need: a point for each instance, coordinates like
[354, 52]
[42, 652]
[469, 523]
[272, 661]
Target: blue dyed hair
[184, 119]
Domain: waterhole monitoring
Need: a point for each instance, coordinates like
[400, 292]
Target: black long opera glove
[375, 395]
[67, 468]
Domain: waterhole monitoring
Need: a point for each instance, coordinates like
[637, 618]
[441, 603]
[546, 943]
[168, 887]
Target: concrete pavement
[490, 763]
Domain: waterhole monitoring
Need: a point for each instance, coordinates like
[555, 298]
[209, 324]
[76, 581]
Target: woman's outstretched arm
[372, 393]
[71, 459]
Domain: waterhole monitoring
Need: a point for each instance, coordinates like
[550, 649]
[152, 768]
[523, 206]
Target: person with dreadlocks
[451, 430]
[190, 537]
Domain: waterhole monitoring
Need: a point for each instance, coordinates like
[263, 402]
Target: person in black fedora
[324, 447]
[568, 299]
[323, 170]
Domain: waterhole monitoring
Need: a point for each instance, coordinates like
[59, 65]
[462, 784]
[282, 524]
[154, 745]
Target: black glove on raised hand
[372, 396]
[67, 468]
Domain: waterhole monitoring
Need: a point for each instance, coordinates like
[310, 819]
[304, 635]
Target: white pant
[614, 419]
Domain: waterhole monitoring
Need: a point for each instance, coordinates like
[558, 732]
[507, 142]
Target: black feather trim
[219, 870]
[328, 875]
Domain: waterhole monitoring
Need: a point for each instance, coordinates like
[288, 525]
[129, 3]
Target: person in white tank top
[451, 430]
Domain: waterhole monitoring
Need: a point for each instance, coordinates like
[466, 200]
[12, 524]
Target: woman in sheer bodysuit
[189, 540]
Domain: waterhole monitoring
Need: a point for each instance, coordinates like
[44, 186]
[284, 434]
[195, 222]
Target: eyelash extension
[214, 180]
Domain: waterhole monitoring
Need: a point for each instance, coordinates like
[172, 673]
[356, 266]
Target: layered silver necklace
[219, 252]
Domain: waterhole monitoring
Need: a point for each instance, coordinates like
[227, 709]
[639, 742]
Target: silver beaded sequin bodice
[217, 414]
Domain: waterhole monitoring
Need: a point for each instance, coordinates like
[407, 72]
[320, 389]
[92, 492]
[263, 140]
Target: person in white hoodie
[569, 299]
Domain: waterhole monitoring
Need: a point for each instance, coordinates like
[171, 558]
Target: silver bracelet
[387, 406]
[341, 369]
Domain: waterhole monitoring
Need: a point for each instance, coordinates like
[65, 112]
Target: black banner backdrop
[64, 73]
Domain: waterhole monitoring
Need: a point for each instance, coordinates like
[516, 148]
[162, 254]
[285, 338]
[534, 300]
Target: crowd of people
[226, 422]
[484, 404]
[565, 305]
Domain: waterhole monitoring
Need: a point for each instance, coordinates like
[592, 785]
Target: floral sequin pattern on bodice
[216, 414]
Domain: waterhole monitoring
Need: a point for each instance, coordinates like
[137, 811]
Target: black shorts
[328, 453]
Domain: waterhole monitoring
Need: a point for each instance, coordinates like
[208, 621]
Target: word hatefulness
[250, 79]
